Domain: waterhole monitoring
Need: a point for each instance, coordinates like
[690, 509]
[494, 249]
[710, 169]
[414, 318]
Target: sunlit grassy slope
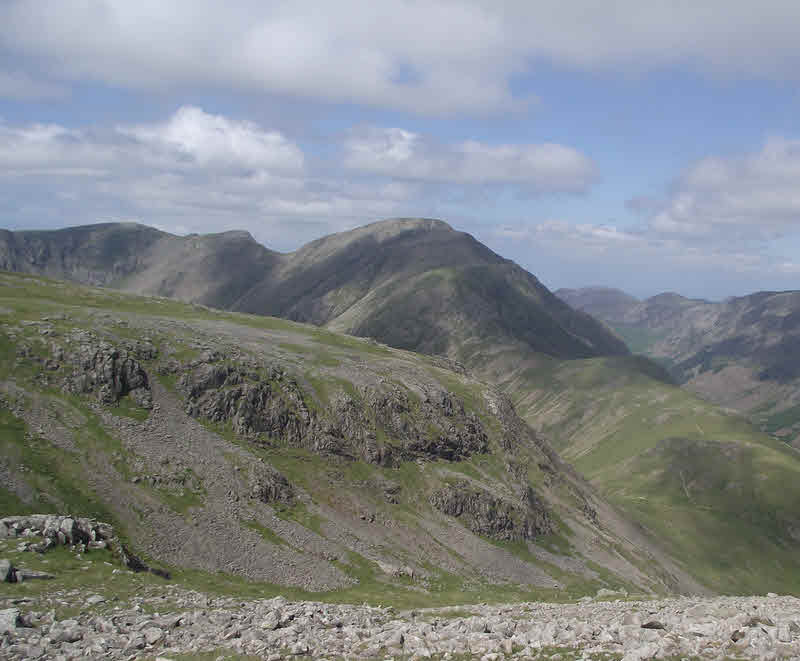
[723, 496]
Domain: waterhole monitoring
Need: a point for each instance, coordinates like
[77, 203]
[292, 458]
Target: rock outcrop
[80, 533]
[488, 515]
[109, 371]
[378, 425]
[269, 486]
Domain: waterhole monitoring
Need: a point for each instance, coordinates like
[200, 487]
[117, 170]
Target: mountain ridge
[370, 281]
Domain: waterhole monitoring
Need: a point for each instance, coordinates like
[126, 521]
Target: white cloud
[193, 170]
[643, 250]
[754, 196]
[398, 153]
[437, 56]
[214, 140]
[189, 139]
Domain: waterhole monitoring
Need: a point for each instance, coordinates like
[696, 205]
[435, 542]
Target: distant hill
[743, 352]
[411, 283]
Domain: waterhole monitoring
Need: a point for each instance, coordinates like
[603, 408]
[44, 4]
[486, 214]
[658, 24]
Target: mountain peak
[427, 224]
[390, 228]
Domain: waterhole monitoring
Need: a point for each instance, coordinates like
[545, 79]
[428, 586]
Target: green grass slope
[721, 494]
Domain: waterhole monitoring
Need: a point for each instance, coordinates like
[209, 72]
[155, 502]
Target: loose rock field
[172, 623]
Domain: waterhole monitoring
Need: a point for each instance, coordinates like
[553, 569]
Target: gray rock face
[109, 371]
[268, 485]
[265, 400]
[494, 517]
[254, 401]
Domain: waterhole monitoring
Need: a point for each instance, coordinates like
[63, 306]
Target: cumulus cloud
[195, 170]
[753, 196]
[216, 141]
[189, 139]
[725, 223]
[438, 56]
[395, 152]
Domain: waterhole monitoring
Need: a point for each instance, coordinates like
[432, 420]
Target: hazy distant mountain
[411, 283]
[600, 302]
[743, 352]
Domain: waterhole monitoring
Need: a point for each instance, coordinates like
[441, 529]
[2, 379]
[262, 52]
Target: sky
[649, 146]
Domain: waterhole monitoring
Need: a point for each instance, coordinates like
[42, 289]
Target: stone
[9, 619]
[153, 635]
[632, 620]
[30, 574]
[396, 639]
[94, 600]
[760, 620]
[6, 570]
[271, 621]
[604, 593]
[698, 610]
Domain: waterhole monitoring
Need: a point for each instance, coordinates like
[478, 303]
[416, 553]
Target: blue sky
[647, 146]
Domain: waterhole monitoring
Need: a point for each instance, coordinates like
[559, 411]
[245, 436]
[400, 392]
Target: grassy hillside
[741, 353]
[366, 438]
[722, 495]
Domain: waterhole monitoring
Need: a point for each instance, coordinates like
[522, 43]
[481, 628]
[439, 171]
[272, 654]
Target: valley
[741, 353]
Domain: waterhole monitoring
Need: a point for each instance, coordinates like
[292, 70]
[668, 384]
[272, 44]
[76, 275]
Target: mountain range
[742, 353]
[411, 283]
[480, 436]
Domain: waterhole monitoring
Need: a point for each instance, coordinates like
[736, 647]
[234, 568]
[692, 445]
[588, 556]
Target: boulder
[9, 619]
[6, 571]
[21, 575]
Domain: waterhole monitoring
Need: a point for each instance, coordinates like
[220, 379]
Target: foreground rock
[171, 621]
[46, 531]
